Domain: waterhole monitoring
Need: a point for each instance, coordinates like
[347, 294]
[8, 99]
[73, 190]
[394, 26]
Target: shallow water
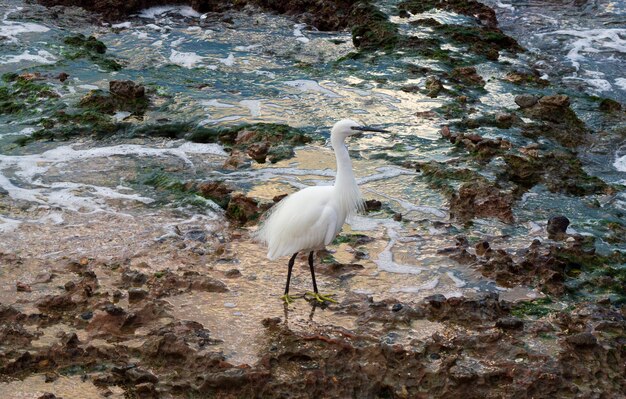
[580, 44]
[87, 198]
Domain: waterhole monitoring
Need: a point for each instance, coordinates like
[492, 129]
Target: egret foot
[322, 298]
[287, 299]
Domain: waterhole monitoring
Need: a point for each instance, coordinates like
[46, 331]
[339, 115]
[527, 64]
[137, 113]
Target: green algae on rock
[91, 49]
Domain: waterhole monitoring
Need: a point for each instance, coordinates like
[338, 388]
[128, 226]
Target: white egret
[311, 218]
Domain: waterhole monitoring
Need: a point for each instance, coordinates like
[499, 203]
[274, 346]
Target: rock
[126, 88]
[526, 100]
[136, 294]
[608, 105]
[242, 209]
[86, 315]
[232, 273]
[582, 339]
[557, 100]
[49, 395]
[397, 217]
[69, 286]
[434, 86]
[436, 300]
[63, 76]
[114, 310]
[397, 307]
[467, 75]
[510, 323]
[51, 377]
[557, 226]
[373, 205]
[258, 151]
[271, 322]
[139, 376]
[22, 287]
[445, 132]
[482, 248]
[481, 199]
[505, 120]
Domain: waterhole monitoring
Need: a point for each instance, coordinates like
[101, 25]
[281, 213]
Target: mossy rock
[92, 49]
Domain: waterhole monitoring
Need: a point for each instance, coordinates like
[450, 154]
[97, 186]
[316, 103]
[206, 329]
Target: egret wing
[302, 221]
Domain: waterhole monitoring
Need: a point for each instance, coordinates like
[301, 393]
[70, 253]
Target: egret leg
[316, 295]
[287, 298]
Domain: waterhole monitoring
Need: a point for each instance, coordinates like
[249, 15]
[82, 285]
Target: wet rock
[373, 205]
[258, 151]
[51, 377]
[482, 248]
[86, 315]
[557, 226]
[22, 287]
[217, 191]
[505, 120]
[49, 395]
[468, 76]
[608, 105]
[434, 86]
[136, 294]
[526, 100]
[584, 339]
[510, 323]
[127, 89]
[270, 322]
[242, 209]
[133, 278]
[397, 307]
[557, 100]
[471, 8]
[397, 217]
[171, 284]
[139, 376]
[63, 76]
[232, 273]
[481, 199]
[114, 310]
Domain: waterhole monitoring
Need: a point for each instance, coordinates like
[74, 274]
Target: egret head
[347, 127]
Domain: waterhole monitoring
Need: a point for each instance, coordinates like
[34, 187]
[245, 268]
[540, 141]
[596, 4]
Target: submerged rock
[557, 226]
[480, 199]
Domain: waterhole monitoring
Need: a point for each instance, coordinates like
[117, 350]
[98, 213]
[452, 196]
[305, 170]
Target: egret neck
[346, 190]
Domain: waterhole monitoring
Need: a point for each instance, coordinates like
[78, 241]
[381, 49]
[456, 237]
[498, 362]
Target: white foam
[596, 84]
[88, 87]
[503, 5]
[187, 60]
[218, 120]
[621, 82]
[228, 61]
[41, 57]
[216, 104]
[253, 105]
[121, 115]
[247, 48]
[140, 34]
[153, 12]
[83, 197]
[429, 285]
[311, 85]
[269, 74]
[12, 29]
[7, 225]
[620, 163]
[177, 42]
[297, 32]
[124, 25]
[592, 41]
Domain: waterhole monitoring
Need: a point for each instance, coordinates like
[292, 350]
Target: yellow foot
[287, 299]
[321, 298]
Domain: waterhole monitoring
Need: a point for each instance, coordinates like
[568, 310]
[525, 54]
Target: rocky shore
[108, 321]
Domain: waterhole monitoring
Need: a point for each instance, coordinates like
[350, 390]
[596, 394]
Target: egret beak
[370, 129]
